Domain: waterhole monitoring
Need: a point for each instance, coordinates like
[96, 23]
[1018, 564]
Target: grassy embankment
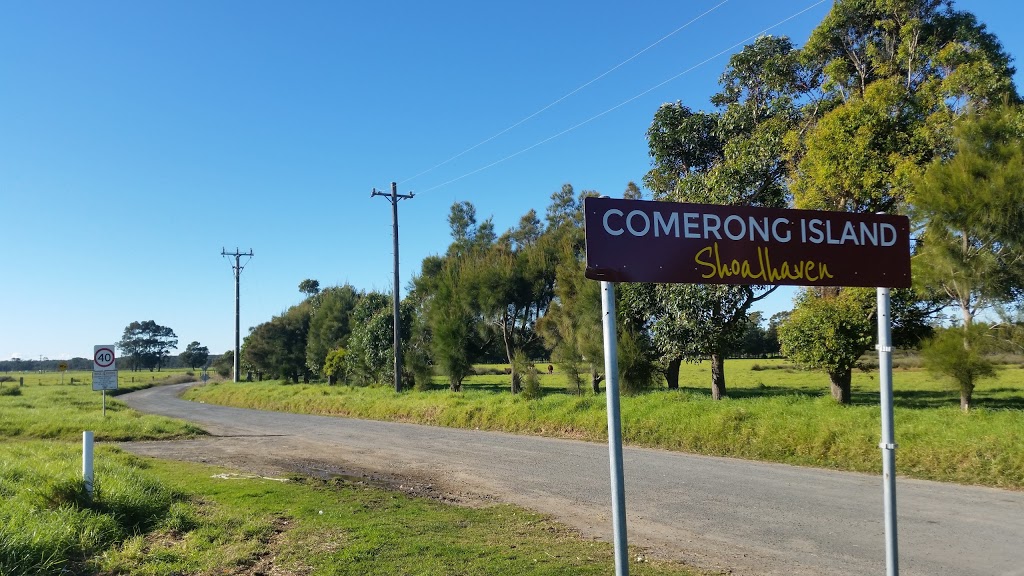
[773, 413]
[154, 517]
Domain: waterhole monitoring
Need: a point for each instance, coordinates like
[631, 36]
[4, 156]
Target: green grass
[774, 413]
[53, 411]
[149, 517]
[126, 379]
[155, 518]
[48, 523]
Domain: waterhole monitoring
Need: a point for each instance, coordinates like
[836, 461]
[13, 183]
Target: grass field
[774, 413]
[126, 380]
[149, 517]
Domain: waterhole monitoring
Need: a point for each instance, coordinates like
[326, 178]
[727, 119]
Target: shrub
[528, 374]
[4, 391]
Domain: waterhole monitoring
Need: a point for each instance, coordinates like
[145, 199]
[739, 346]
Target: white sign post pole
[888, 443]
[611, 378]
[87, 472]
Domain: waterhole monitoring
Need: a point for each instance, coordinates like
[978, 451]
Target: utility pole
[394, 197]
[237, 267]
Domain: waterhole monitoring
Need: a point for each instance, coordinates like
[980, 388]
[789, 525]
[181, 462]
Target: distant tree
[224, 364]
[772, 333]
[195, 355]
[754, 342]
[146, 344]
[309, 287]
[330, 326]
[278, 347]
[633, 192]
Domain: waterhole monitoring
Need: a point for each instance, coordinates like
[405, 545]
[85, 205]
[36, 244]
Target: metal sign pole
[611, 373]
[888, 443]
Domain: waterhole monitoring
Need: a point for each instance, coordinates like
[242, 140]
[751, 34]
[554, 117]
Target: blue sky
[138, 139]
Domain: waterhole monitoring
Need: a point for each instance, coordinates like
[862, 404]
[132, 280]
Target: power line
[577, 89]
[624, 102]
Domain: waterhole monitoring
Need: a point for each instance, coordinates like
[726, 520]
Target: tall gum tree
[891, 76]
[733, 155]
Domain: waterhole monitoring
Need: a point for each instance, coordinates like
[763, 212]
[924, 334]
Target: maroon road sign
[671, 242]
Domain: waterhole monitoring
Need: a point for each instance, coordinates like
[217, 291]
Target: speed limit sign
[103, 358]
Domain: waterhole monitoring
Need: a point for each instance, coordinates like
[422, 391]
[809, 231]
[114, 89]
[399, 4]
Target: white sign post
[104, 370]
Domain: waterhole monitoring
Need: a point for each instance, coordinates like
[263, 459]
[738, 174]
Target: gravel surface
[732, 515]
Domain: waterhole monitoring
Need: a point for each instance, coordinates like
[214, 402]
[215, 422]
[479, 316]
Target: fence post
[87, 472]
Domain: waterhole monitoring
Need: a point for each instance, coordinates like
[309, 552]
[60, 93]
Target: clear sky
[138, 139]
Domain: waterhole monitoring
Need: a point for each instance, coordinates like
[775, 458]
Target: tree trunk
[508, 354]
[672, 373]
[840, 380]
[965, 397]
[717, 376]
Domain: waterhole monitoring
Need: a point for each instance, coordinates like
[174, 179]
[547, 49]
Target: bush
[490, 371]
[6, 378]
[528, 375]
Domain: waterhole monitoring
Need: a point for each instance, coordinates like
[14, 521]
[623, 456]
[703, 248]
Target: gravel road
[715, 513]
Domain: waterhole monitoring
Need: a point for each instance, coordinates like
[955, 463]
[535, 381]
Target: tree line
[195, 356]
[890, 107]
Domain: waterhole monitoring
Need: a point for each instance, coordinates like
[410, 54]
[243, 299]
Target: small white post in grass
[87, 474]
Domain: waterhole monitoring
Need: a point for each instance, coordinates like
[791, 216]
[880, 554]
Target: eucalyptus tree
[195, 354]
[145, 344]
[891, 78]
[733, 155]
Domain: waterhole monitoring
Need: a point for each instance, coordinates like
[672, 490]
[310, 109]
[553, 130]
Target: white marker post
[611, 378]
[87, 474]
[888, 443]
